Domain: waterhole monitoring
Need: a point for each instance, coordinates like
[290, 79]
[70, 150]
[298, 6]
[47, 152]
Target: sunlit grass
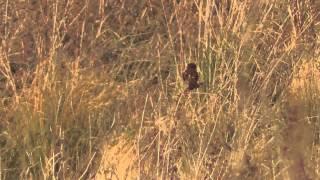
[94, 89]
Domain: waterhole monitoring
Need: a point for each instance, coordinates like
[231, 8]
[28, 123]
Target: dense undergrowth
[93, 89]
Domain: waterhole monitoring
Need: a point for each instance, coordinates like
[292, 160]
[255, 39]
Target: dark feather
[191, 76]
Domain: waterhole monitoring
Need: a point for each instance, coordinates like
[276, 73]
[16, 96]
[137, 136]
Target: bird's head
[191, 66]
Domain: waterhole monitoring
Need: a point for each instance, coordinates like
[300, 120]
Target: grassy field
[92, 89]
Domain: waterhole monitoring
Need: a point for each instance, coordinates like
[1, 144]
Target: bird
[191, 76]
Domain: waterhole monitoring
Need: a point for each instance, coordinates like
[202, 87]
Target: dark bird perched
[191, 76]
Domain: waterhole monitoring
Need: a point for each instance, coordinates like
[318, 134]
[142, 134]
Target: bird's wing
[184, 76]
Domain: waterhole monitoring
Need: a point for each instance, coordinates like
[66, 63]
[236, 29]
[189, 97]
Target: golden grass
[65, 115]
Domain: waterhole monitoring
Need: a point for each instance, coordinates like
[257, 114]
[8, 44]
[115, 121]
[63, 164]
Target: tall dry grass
[68, 111]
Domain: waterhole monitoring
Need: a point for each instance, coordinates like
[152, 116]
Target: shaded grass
[63, 114]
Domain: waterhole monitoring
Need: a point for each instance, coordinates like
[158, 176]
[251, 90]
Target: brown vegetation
[93, 89]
